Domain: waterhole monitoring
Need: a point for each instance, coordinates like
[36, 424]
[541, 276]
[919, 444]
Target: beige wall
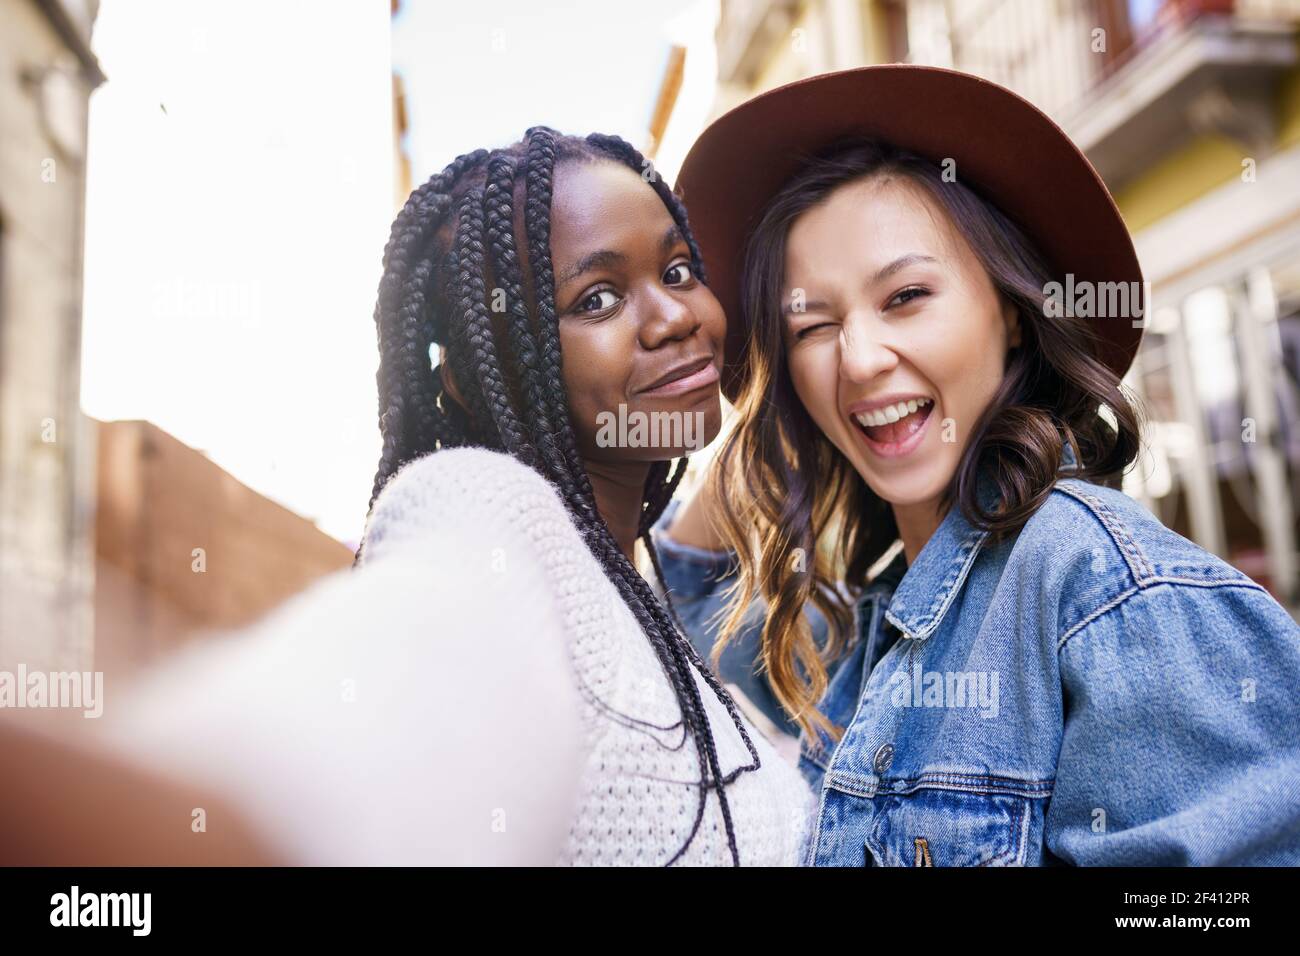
[46, 453]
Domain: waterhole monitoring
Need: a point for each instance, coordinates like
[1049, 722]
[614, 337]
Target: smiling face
[637, 328]
[901, 329]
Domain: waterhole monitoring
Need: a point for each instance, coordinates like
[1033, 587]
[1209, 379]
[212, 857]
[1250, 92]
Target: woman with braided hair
[559, 280]
[520, 696]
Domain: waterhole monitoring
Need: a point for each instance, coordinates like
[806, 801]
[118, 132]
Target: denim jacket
[1096, 690]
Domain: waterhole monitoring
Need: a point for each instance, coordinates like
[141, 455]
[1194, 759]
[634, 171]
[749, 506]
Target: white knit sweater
[638, 793]
[476, 692]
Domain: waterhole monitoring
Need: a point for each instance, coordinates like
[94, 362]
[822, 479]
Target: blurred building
[183, 549]
[402, 185]
[401, 159]
[117, 542]
[1190, 110]
[47, 471]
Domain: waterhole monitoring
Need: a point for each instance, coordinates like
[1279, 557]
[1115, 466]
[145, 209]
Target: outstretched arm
[417, 710]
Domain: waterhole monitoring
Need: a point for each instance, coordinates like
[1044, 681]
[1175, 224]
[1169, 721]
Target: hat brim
[1004, 147]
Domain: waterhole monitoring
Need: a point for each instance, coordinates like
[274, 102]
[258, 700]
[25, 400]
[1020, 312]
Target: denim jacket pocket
[950, 828]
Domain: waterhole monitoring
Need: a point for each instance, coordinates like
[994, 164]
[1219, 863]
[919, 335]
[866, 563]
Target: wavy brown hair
[804, 524]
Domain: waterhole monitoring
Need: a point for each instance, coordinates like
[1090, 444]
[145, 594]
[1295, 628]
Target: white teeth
[891, 413]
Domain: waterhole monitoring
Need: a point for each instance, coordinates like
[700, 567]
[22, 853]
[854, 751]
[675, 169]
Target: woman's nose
[864, 352]
[667, 318]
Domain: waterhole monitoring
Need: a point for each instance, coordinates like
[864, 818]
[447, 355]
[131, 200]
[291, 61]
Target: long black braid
[455, 240]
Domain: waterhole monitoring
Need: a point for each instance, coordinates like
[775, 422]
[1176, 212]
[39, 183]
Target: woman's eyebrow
[902, 262]
[607, 257]
[594, 260]
[817, 305]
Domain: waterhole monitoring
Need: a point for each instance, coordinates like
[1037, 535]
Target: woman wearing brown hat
[932, 300]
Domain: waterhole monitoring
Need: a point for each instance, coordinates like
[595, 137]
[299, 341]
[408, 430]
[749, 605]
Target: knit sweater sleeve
[419, 709]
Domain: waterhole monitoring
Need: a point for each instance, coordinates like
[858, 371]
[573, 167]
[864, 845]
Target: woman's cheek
[816, 391]
[716, 319]
[582, 400]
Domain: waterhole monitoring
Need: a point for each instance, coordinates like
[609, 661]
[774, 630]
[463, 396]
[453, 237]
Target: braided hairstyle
[453, 244]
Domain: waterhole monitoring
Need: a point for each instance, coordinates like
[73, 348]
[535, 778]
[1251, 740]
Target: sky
[239, 195]
[479, 74]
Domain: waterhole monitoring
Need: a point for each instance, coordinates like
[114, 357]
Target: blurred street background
[194, 199]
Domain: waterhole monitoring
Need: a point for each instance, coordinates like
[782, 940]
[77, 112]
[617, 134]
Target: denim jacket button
[884, 757]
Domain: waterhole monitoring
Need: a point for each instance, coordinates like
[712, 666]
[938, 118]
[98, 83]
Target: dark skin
[632, 314]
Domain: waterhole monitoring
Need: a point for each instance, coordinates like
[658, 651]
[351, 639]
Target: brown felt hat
[1005, 148]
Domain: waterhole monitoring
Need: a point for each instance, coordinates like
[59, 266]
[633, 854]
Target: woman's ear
[449, 380]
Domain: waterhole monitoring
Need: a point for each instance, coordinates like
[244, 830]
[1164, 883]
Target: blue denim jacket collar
[930, 585]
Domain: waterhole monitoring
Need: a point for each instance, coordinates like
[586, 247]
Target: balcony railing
[1055, 53]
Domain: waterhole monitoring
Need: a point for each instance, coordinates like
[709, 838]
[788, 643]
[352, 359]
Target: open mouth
[895, 429]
